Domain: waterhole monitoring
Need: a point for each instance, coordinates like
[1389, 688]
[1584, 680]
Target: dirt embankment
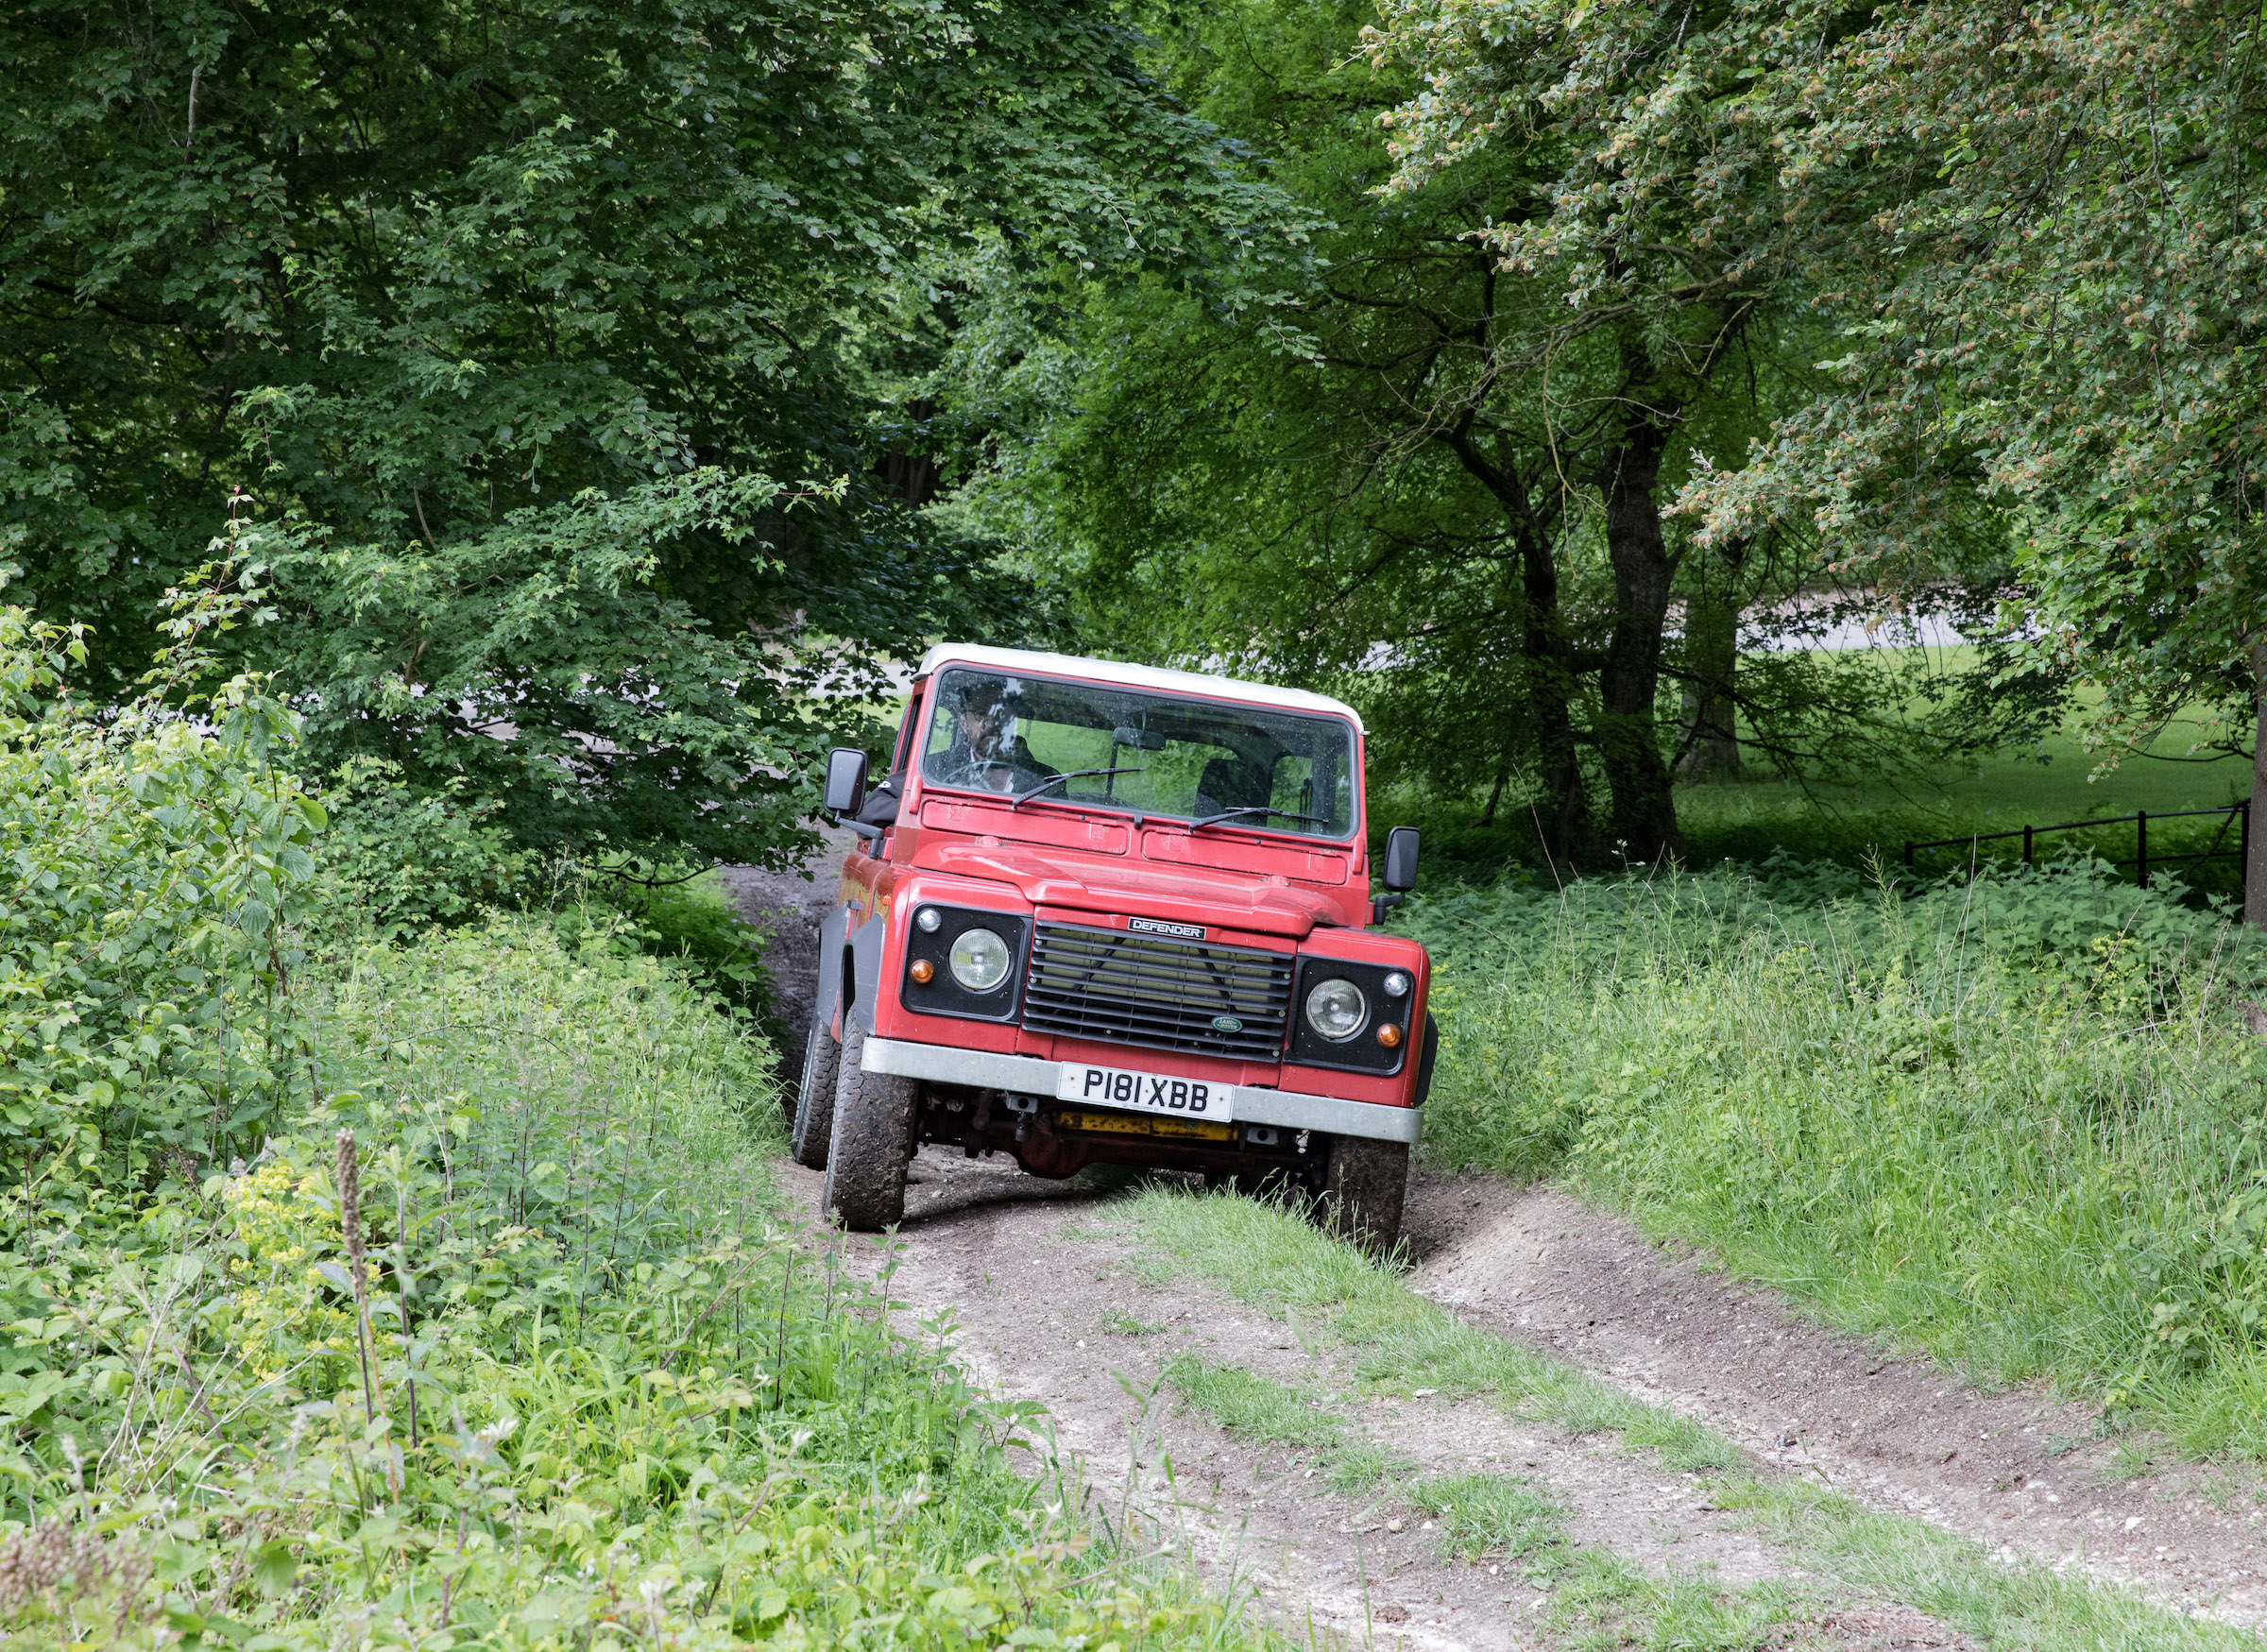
[788, 906]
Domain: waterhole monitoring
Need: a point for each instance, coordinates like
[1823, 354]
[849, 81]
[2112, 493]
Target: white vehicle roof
[1154, 678]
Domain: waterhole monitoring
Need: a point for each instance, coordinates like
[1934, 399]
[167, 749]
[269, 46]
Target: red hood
[1274, 906]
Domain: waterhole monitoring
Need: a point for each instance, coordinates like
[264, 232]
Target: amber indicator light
[923, 971]
[1389, 1035]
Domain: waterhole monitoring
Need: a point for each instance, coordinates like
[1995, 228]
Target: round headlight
[1337, 1008]
[979, 960]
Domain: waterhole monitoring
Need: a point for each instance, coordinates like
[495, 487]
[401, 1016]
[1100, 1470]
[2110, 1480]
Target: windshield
[1191, 759]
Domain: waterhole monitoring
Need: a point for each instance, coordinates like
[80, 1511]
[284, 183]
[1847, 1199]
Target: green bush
[679, 913]
[2019, 1124]
[595, 1391]
[397, 861]
[491, 1329]
[156, 860]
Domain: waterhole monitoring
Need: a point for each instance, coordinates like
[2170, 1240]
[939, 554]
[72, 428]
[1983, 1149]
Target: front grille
[1119, 988]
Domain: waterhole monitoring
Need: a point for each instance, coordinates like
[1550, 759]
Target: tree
[2050, 238]
[552, 348]
[1457, 433]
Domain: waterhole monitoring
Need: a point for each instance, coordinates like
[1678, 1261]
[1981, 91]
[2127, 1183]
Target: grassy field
[2017, 1125]
[1748, 821]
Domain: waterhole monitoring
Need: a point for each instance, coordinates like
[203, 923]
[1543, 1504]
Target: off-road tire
[813, 1127]
[1362, 1191]
[874, 1117]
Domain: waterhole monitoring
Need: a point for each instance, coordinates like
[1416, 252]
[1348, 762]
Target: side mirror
[845, 781]
[1401, 859]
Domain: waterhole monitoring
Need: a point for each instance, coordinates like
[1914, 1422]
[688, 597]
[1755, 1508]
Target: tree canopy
[546, 353]
[1433, 471]
[576, 387]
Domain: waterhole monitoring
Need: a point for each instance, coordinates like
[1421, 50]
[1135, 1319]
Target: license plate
[1146, 1092]
[1199, 1130]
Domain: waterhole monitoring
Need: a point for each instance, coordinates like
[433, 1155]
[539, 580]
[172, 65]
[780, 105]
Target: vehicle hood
[1270, 905]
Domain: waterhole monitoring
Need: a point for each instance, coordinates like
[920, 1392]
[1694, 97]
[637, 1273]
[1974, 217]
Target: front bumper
[1029, 1075]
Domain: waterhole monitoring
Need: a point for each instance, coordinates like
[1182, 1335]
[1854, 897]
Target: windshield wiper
[1258, 809]
[1024, 797]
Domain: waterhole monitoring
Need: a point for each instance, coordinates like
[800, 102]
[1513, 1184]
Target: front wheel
[874, 1117]
[1362, 1191]
[814, 1096]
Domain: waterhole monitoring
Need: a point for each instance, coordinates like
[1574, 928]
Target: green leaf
[274, 1567]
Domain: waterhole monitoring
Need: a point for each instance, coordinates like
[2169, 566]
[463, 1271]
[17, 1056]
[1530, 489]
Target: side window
[941, 732]
[912, 724]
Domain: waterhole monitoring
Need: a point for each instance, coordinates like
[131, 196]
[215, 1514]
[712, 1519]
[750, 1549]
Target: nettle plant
[157, 857]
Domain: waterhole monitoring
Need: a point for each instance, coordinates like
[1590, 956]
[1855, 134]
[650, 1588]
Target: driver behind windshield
[985, 753]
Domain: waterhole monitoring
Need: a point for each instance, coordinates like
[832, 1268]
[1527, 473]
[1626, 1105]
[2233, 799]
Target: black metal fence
[2140, 859]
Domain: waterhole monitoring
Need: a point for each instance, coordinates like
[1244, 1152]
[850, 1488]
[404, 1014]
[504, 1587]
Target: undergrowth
[592, 1389]
[373, 1276]
[2019, 1124]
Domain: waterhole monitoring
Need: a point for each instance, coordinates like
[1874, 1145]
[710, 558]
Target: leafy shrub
[398, 859]
[683, 913]
[611, 1399]
[155, 863]
[2019, 1124]
[498, 1337]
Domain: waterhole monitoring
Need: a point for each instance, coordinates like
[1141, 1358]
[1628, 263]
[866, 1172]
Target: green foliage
[2071, 196]
[500, 1337]
[554, 350]
[642, 1407]
[396, 861]
[690, 916]
[399, 860]
[157, 860]
[1424, 444]
[2015, 1123]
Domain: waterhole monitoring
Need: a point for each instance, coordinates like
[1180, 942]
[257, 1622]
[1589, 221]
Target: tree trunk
[1710, 738]
[1645, 812]
[1564, 817]
[1502, 775]
[2254, 860]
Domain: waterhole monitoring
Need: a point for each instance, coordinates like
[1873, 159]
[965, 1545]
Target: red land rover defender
[1105, 913]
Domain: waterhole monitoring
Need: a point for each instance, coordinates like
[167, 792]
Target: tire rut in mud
[1051, 1309]
[2017, 1471]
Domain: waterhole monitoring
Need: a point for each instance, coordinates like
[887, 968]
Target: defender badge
[1226, 1024]
[1158, 927]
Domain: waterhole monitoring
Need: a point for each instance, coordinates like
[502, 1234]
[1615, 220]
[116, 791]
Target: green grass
[2018, 1127]
[1359, 1468]
[1601, 1600]
[1254, 1409]
[1491, 1515]
[1275, 1262]
[1854, 823]
[650, 1410]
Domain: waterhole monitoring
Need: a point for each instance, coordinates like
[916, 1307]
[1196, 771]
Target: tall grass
[595, 1388]
[2019, 1125]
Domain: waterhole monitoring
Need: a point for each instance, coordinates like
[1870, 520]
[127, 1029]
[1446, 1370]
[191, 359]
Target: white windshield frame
[932, 689]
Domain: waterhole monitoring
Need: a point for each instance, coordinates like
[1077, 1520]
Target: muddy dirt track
[1049, 1309]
